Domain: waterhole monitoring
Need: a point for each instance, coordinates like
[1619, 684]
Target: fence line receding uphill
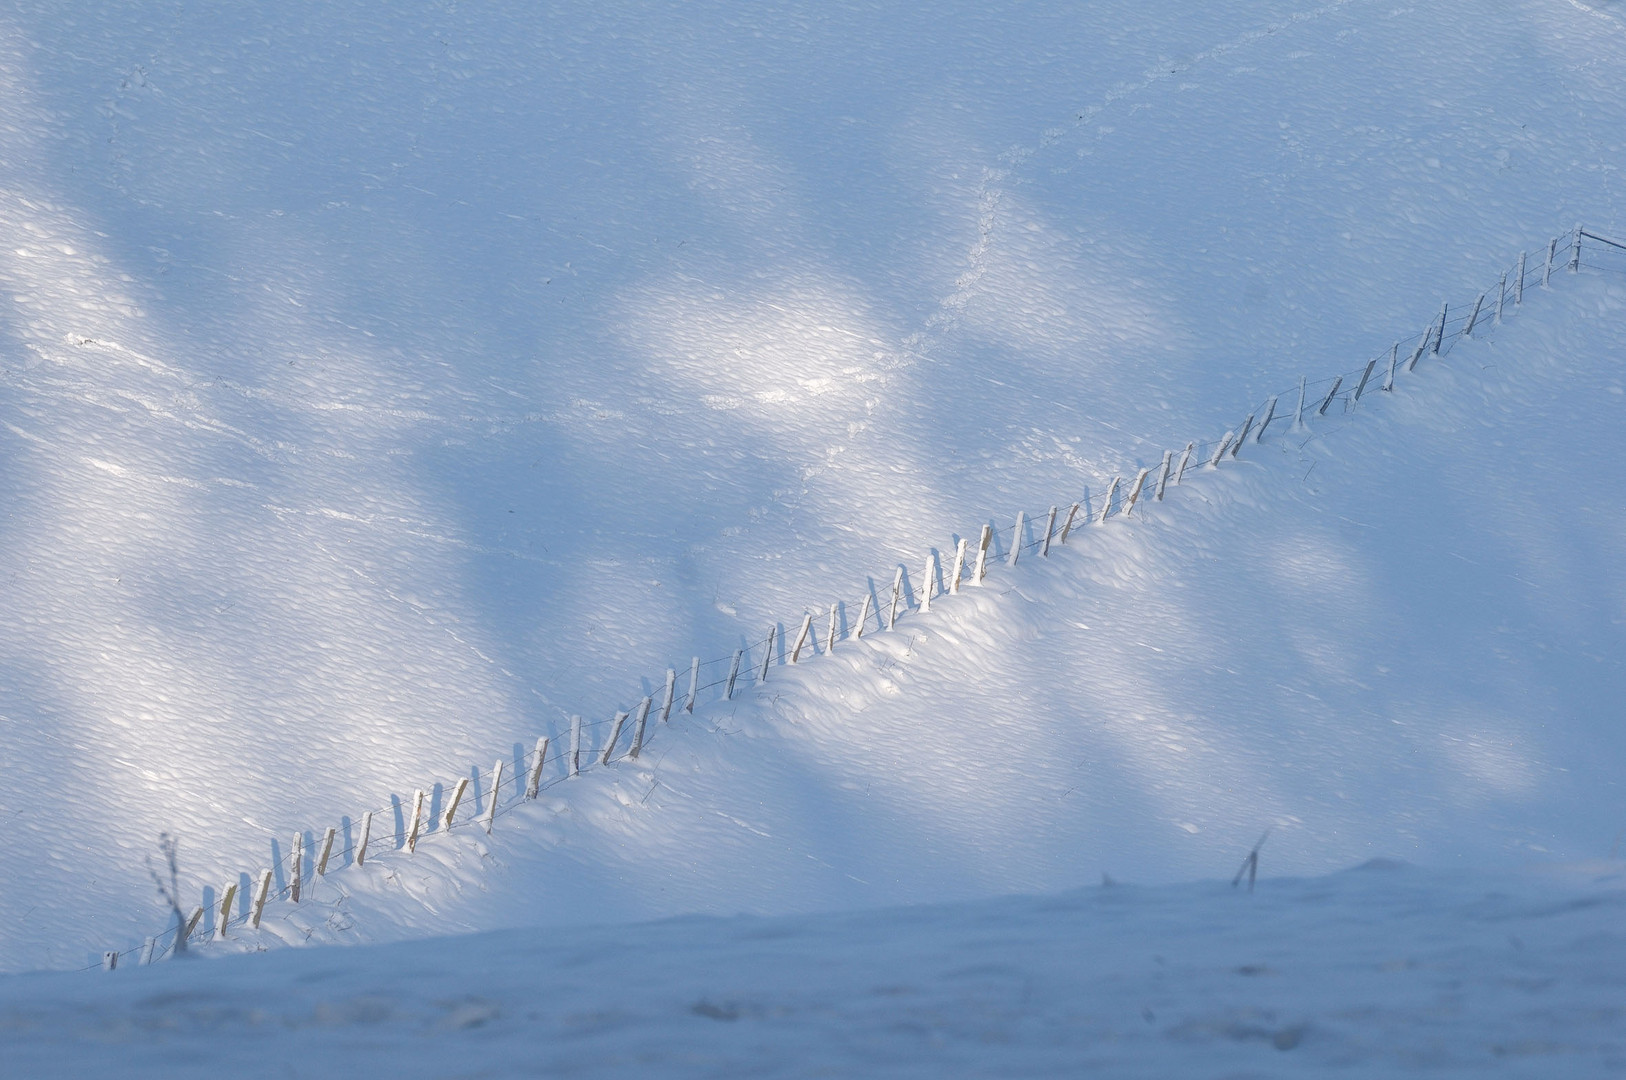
[689, 686]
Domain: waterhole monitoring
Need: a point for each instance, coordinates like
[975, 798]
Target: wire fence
[685, 688]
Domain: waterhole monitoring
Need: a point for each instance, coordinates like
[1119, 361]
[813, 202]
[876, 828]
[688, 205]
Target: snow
[378, 393]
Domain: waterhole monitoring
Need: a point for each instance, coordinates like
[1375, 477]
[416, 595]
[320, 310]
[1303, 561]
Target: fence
[687, 687]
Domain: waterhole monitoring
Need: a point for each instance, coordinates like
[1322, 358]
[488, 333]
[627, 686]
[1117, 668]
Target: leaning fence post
[835, 626]
[638, 729]
[260, 893]
[327, 851]
[1072, 512]
[1106, 503]
[1518, 286]
[533, 783]
[451, 804]
[694, 684]
[1134, 492]
[1049, 530]
[671, 689]
[575, 746]
[1575, 252]
[1016, 536]
[982, 555]
[615, 734]
[1473, 318]
[1298, 417]
[1247, 425]
[767, 651]
[490, 816]
[733, 673]
[897, 593]
[298, 866]
[417, 822]
[361, 845]
[1422, 346]
[1225, 443]
[1439, 338]
[807, 623]
[1163, 474]
[191, 923]
[1336, 383]
[930, 581]
[959, 567]
[1365, 375]
[1270, 414]
[228, 894]
[1501, 298]
[148, 947]
[1185, 459]
[1394, 354]
[1547, 275]
[858, 631]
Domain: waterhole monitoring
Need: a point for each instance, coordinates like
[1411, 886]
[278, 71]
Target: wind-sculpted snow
[380, 391]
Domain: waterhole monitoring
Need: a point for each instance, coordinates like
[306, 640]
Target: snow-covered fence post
[1575, 252]
[1072, 512]
[1518, 286]
[1298, 417]
[767, 653]
[1473, 318]
[451, 804]
[1547, 274]
[533, 783]
[1106, 503]
[417, 822]
[1224, 445]
[228, 894]
[1134, 492]
[1336, 383]
[801, 637]
[148, 947]
[929, 582]
[1247, 426]
[110, 961]
[959, 567]
[1439, 337]
[327, 851]
[858, 631]
[638, 729]
[1365, 375]
[489, 818]
[1185, 459]
[192, 921]
[575, 763]
[1394, 354]
[1049, 531]
[982, 555]
[260, 893]
[1016, 536]
[1422, 346]
[1270, 414]
[361, 845]
[733, 673]
[670, 692]
[694, 684]
[298, 866]
[1163, 474]
[615, 734]
[834, 628]
[1501, 298]
[897, 594]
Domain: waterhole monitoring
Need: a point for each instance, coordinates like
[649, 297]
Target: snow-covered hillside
[381, 389]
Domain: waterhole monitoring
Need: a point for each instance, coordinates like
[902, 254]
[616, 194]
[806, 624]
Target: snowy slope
[379, 392]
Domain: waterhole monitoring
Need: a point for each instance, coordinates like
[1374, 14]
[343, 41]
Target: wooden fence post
[1270, 414]
[417, 821]
[1439, 338]
[641, 723]
[897, 593]
[260, 893]
[1049, 531]
[451, 804]
[1518, 286]
[694, 684]
[533, 783]
[863, 618]
[1473, 318]
[1575, 253]
[1298, 417]
[733, 673]
[575, 746]
[615, 734]
[1072, 512]
[959, 567]
[1106, 504]
[228, 894]
[1547, 275]
[490, 816]
[1247, 426]
[1336, 383]
[1163, 474]
[1213, 462]
[835, 626]
[1016, 536]
[327, 851]
[1501, 298]
[148, 947]
[982, 555]
[671, 689]
[298, 865]
[1365, 375]
[767, 652]
[361, 845]
[930, 574]
[191, 924]
[801, 636]
[1185, 459]
[1134, 492]
[1394, 355]
[110, 961]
